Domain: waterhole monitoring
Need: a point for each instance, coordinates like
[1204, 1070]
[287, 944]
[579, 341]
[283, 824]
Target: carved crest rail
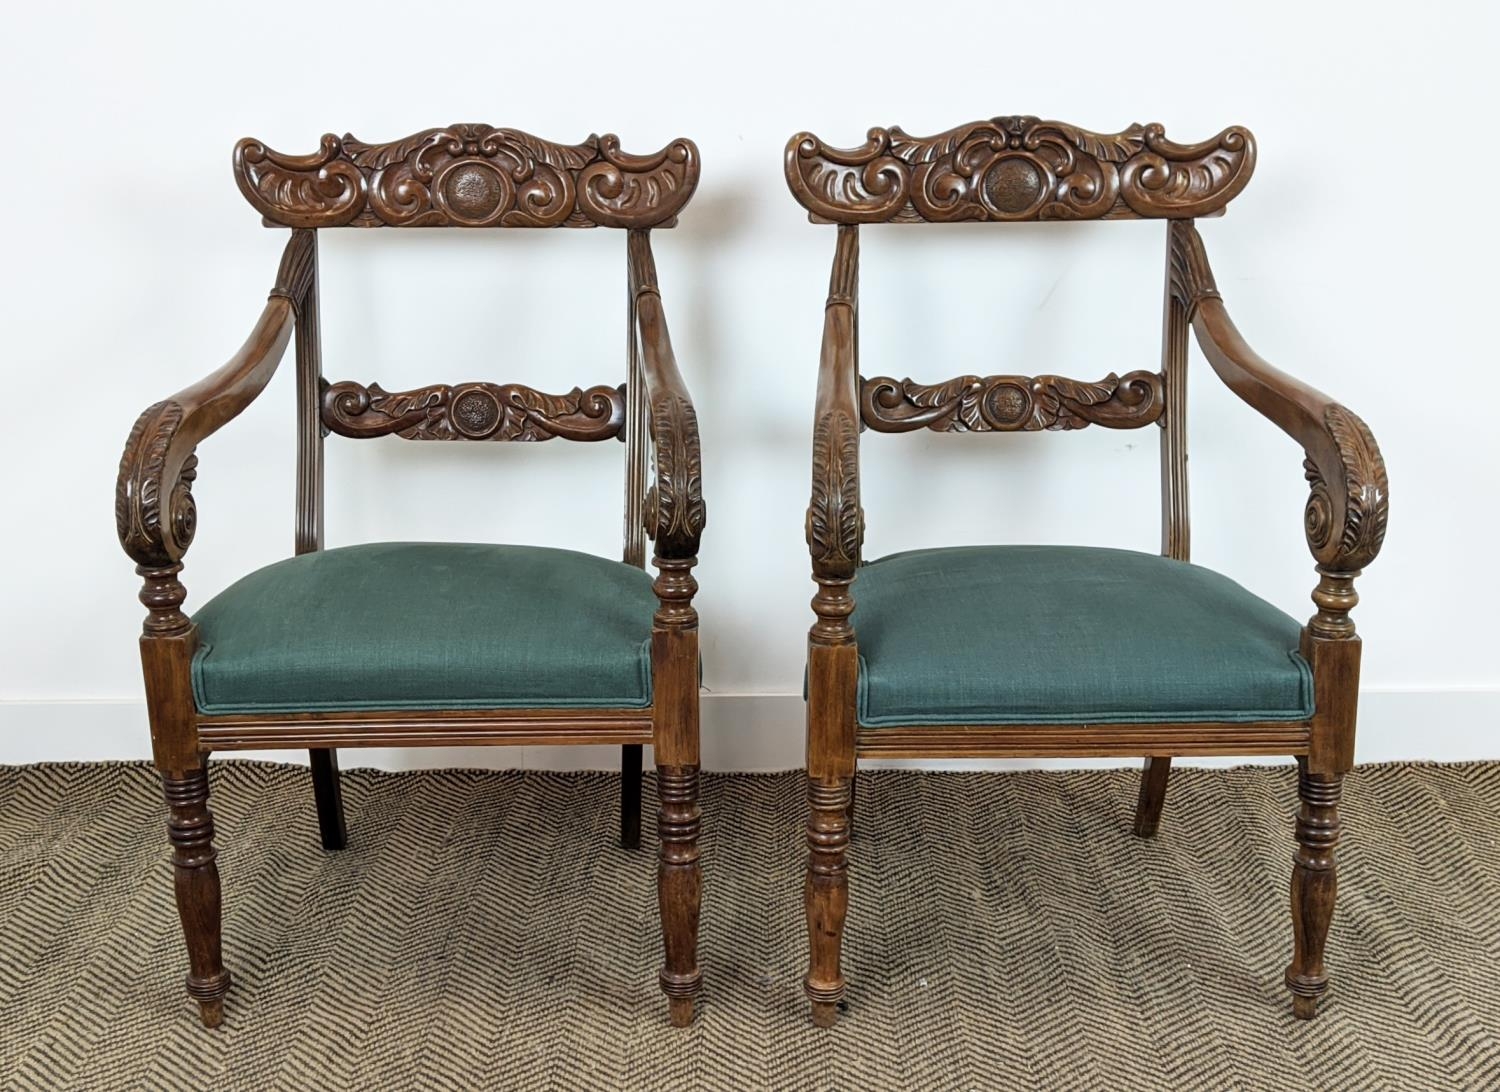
[468, 176]
[1018, 168]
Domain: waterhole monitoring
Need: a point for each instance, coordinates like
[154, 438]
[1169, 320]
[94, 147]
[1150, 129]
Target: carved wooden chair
[292, 657]
[1026, 651]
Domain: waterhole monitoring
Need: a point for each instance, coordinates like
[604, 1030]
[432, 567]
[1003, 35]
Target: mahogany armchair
[288, 657]
[1056, 651]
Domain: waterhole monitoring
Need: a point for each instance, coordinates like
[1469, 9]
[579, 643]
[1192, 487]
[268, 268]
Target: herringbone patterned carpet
[1007, 931]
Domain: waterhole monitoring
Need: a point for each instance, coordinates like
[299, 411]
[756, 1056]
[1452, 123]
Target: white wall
[1360, 258]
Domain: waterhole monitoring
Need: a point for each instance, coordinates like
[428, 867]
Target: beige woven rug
[1007, 931]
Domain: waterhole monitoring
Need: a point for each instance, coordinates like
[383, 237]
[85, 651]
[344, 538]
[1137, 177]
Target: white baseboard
[742, 732]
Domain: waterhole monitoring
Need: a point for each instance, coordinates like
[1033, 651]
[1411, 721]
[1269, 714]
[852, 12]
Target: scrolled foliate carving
[155, 515]
[323, 189]
[674, 512]
[1012, 403]
[622, 190]
[1018, 168]
[835, 521]
[1345, 522]
[473, 411]
[468, 176]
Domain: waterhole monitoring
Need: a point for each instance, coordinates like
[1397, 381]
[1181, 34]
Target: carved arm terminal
[1345, 516]
[154, 512]
[674, 513]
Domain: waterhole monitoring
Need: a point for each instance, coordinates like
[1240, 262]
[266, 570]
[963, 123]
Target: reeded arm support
[1346, 512]
[154, 512]
[674, 510]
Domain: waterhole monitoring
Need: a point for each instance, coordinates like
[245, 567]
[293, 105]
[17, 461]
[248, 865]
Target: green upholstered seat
[415, 625]
[1068, 635]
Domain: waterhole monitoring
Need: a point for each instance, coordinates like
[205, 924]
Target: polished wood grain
[1176, 530]
[1012, 403]
[835, 534]
[422, 728]
[323, 763]
[674, 516]
[1022, 168]
[633, 552]
[459, 176]
[474, 411]
[468, 175]
[1084, 740]
[1017, 168]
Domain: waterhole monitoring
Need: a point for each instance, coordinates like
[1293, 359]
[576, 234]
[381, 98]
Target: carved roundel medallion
[475, 412]
[472, 192]
[1007, 404]
[1014, 185]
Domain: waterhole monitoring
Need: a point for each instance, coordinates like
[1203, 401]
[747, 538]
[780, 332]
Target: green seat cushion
[420, 625]
[1068, 635]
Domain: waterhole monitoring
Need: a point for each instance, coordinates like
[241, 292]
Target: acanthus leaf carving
[319, 190]
[468, 176]
[155, 514]
[835, 521]
[1018, 168]
[1012, 403]
[473, 411]
[1346, 528]
[1191, 280]
[675, 513]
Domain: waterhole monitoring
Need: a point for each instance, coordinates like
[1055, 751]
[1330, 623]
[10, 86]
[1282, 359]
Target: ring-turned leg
[674, 714]
[1153, 795]
[630, 795]
[827, 894]
[1314, 886]
[190, 827]
[679, 888]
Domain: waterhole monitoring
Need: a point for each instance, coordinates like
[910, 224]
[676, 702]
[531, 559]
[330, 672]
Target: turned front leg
[827, 895]
[679, 888]
[190, 827]
[1314, 886]
[679, 883]
[167, 647]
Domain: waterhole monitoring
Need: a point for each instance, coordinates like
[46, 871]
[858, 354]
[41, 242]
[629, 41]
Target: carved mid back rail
[474, 411]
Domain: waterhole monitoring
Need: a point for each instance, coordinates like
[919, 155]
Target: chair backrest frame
[466, 176]
[1019, 169]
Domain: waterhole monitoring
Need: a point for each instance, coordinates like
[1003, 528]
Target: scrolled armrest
[835, 521]
[1345, 516]
[674, 511]
[154, 511]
